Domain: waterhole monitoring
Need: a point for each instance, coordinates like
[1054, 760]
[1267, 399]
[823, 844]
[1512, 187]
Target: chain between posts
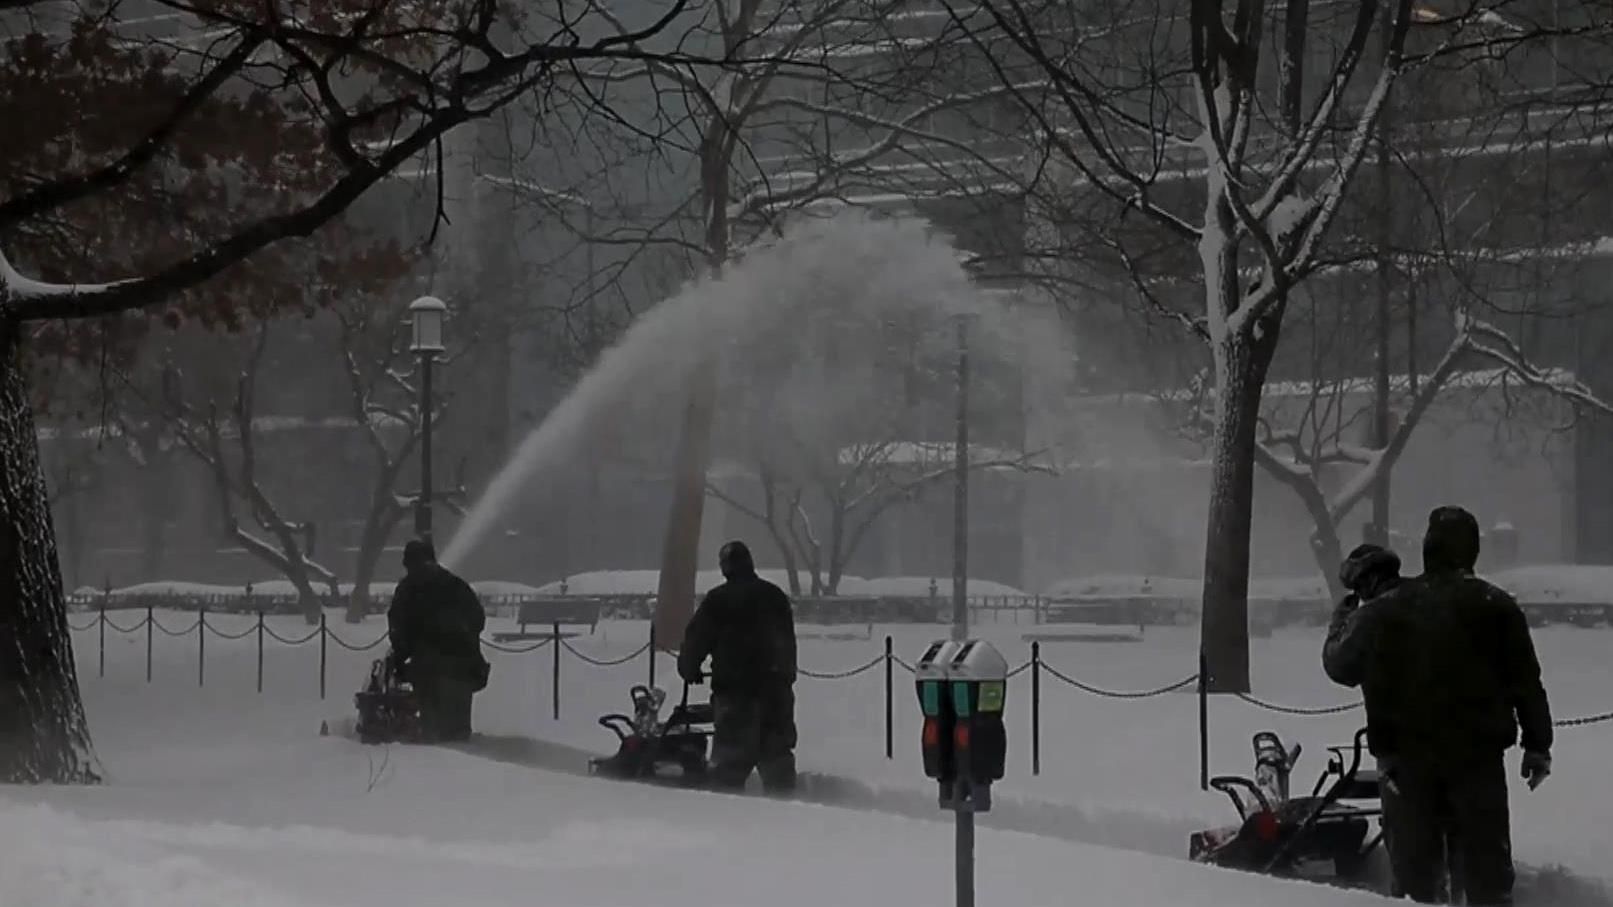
[1118, 694]
[103, 622]
[841, 675]
[1299, 710]
[605, 662]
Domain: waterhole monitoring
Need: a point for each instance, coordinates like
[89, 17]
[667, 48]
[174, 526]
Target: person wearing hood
[1451, 681]
[1369, 573]
[747, 628]
[436, 623]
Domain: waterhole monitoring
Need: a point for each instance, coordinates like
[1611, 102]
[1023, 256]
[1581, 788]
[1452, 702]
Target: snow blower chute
[1333, 835]
[649, 749]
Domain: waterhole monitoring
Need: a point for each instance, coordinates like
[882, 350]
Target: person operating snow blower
[436, 623]
[1451, 681]
[747, 628]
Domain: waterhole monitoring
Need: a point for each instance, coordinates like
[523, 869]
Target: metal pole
[1378, 527]
[960, 494]
[965, 849]
[556, 679]
[890, 728]
[324, 637]
[1036, 707]
[260, 651]
[422, 512]
[151, 623]
[201, 646]
[101, 664]
[652, 655]
[1204, 722]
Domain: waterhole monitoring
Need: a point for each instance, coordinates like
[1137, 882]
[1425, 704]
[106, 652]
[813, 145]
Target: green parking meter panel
[978, 675]
[930, 681]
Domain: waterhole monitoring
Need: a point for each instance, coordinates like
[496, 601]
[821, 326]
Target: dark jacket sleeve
[697, 639]
[1344, 654]
[400, 621]
[786, 637]
[475, 615]
[1524, 686]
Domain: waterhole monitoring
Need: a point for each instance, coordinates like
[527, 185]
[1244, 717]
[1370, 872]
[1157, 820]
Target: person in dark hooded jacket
[747, 628]
[1370, 572]
[436, 624]
[1451, 681]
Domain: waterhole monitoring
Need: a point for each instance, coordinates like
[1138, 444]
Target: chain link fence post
[260, 651]
[1036, 707]
[201, 645]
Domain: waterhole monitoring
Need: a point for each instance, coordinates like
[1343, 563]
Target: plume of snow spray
[849, 262]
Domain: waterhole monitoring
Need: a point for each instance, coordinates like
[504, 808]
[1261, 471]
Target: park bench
[546, 617]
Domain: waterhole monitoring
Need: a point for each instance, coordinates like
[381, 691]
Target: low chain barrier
[1299, 710]
[841, 675]
[553, 637]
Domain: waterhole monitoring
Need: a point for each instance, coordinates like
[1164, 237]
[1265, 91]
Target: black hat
[734, 559]
[1365, 562]
[417, 552]
[1451, 541]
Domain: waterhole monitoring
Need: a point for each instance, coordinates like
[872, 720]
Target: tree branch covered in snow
[1308, 443]
[372, 344]
[850, 491]
[205, 434]
[428, 71]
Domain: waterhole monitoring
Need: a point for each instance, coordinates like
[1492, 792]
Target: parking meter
[935, 701]
[962, 687]
[978, 677]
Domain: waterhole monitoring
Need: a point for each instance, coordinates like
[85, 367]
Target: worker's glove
[1536, 768]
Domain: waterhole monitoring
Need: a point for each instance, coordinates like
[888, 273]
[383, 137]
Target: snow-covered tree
[1223, 140]
[851, 98]
[818, 510]
[152, 173]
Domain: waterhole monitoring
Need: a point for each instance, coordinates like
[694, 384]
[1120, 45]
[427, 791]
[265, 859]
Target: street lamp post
[960, 493]
[426, 316]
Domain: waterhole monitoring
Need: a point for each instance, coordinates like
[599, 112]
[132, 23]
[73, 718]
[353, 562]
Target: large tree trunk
[680, 554]
[1241, 366]
[376, 532]
[675, 591]
[44, 737]
[156, 504]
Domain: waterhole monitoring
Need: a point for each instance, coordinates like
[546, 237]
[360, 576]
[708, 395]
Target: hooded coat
[1445, 661]
[746, 626]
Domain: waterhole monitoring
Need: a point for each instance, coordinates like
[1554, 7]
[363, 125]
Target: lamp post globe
[427, 315]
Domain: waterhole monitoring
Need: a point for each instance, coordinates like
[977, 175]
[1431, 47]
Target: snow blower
[388, 708]
[1328, 836]
[649, 749]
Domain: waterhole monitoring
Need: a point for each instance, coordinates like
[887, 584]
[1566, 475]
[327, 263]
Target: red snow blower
[649, 749]
[1328, 836]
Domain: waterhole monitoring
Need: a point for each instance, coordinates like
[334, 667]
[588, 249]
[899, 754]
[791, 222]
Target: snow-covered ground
[259, 813]
[220, 794]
